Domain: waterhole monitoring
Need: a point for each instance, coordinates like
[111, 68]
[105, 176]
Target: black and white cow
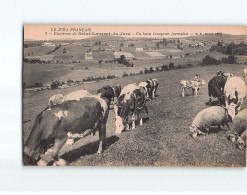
[216, 89]
[110, 93]
[150, 86]
[56, 124]
[130, 108]
[194, 85]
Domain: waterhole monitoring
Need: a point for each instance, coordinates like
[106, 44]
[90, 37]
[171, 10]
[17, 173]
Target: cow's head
[125, 107]
[193, 131]
[117, 90]
[241, 143]
[232, 110]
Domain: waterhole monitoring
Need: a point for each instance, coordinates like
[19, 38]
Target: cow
[235, 92]
[156, 84]
[216, 89]
[130, 108]
[194, 85]
[110, 93]
[55, 99]
[150, 86]
[55, 124]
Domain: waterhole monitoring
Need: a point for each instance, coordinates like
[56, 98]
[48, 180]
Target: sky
[51, 32]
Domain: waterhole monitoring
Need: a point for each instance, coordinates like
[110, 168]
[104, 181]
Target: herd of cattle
[80, 113]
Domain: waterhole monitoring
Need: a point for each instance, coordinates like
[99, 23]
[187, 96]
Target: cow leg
[53, 155]
[183, 92]
[57, 146]
[210, 101]
[102, 137]
[240, 104]
[141, 122]
[196, 91]
[133, 125]
[207, 130]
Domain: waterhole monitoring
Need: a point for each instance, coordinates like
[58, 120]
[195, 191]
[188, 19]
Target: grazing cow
[156, 84]
[55, 99]
[54, 125]
[131, 107]
[235, 92]
[194, 85]
[216, 89]
[238, 127]
[211, 116]
[150, 87]
[110, 93]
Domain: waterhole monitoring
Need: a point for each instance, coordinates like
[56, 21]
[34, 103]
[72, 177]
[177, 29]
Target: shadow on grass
[88, 149]
[213, 103]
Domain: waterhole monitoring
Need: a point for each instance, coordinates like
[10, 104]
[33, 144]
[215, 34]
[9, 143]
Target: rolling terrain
[164, 138]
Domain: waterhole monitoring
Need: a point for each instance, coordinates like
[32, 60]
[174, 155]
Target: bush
[55, 84]
[111, 77]
[165, 67]
[70, 81]
[189, 65]
[208, 60]
[171, 66]
[125, 74]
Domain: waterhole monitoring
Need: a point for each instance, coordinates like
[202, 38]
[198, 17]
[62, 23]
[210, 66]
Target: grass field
[164, 139]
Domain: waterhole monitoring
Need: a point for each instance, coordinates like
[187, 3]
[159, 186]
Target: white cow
[194, 85]
[235, 92]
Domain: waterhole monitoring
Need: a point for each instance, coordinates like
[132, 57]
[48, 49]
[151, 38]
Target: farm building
[139, 49]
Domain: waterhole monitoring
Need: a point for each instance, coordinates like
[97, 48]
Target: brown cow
[70, 119]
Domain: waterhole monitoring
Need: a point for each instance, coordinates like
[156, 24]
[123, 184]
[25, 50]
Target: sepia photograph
[146, 96]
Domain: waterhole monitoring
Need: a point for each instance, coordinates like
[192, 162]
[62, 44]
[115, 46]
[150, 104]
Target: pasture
[164, 138]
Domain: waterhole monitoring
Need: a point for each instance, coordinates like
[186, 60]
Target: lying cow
[235, 91]
[216, 89]
[238, 127]
[194, 85]
[208, 117]
[130, 108]
[54, 125]
[110, 93]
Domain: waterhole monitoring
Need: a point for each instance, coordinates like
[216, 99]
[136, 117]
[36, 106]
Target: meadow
[164, 138]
